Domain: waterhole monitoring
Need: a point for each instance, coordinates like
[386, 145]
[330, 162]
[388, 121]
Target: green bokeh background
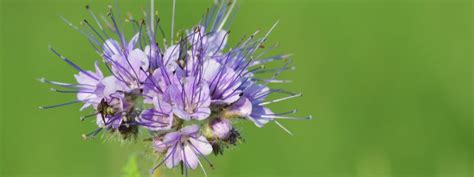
[389, 84]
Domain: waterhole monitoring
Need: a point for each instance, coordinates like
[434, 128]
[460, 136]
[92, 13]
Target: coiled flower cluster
[185, 95]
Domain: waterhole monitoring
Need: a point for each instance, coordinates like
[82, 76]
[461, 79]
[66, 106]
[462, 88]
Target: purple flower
[259, 114]
[88, 82]
[254, 94]
[129, 68]
[185, 145]
[127, 63]
[157, 85]
[190, 99]
[160, 117]
[223, 82]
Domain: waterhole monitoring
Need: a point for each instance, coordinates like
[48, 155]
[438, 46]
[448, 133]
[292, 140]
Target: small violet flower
[185, 145]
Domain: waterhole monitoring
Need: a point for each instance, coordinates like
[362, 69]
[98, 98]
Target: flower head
[186, 94]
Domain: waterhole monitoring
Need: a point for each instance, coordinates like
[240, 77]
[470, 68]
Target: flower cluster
[185, 95]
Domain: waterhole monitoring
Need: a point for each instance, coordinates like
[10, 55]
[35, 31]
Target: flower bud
[221, 128]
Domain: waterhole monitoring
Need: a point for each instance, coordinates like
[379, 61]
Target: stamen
[275, 81]
[284, 128]
[229, 22]
[292, 68]
[220, 75]
[166, 158]
[82, 118]
[267, 50]
[117, 30]
[72, 64]
[95, 19]
[162, 35]
[248, 39]
[98, 34]
[91, 134]
[286, 117]
[148, 76]
[172, 22]
[65, 85]
[185, 162]
[107, 23]
[111, 72]
[59, 105]
[221, 43]
[285, 113]
[276, 74]
[202, 155]
[80, 31]
[93, 29]
[255, 70]
[152, 16]
[68, 91]
[203, 170]
[265, 37]
[181, 167]
[208, 17]
[99, 51]
[140, 36]
[227, 15]
[280, 99]
[270, 59]
[115, 63]
[222, 8]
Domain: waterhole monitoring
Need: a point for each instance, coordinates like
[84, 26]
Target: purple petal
[172, 137]
[133, 42]
[174, 155]
[201, 113]
[211, 68]
[98, 72]
[181, 113]
[256, 116]
[241, 108]
[189, 156]
[203, 147]
[110, 85]
[189, 130]
[111, 47]
[171, 56]
[216, 41]
[138, 59]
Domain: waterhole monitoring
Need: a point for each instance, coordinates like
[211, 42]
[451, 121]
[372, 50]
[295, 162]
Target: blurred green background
[389, 84]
